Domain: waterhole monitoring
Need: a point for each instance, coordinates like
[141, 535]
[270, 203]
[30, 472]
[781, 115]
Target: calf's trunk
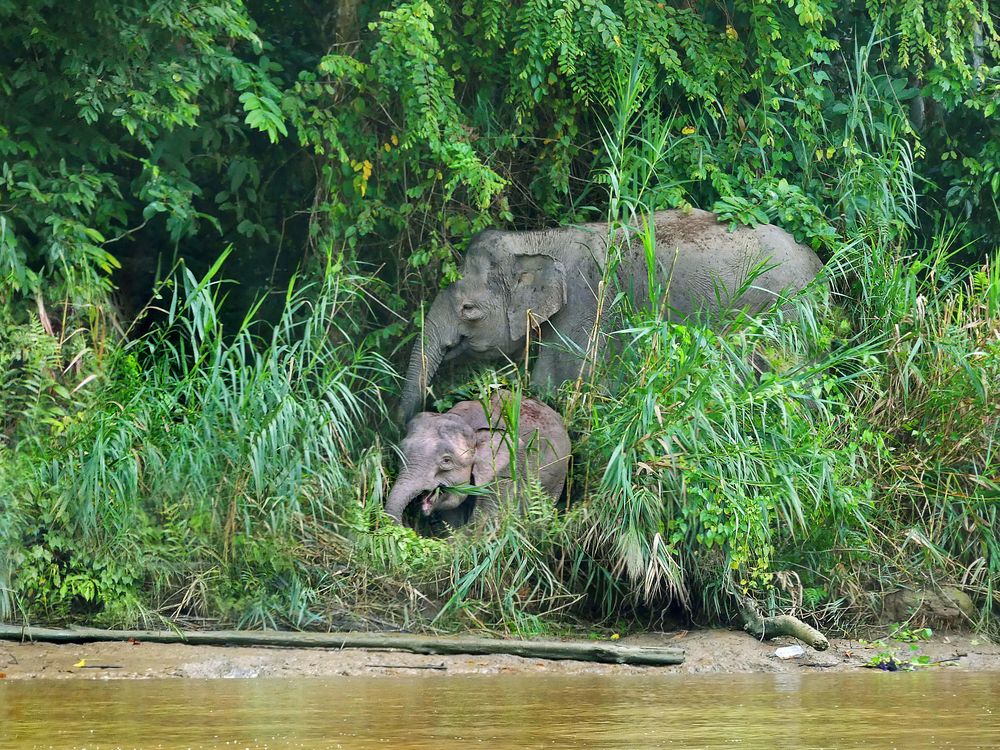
[402, 494]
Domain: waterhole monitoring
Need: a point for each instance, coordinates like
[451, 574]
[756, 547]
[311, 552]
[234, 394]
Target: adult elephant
[548, 282]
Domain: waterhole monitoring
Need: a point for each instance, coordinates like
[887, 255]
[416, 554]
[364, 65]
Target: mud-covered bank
[721, 651]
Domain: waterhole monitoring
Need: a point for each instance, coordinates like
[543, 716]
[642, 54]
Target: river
[935, 709]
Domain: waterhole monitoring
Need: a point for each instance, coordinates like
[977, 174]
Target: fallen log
[594, 651]
[766, 628]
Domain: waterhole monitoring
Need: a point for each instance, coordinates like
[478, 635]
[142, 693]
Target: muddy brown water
[504, 712]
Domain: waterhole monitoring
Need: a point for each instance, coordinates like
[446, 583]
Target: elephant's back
[690, 226]
[707, 262]
[697, 231]
[533, 417]
[546, 418]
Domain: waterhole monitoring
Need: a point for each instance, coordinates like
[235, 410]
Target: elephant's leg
[544, 378]
[759, 363]
[557, 364]
[488, 506]
[454, 517]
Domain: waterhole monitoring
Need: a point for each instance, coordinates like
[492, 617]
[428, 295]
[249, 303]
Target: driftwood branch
[579, 650]
[766, 628]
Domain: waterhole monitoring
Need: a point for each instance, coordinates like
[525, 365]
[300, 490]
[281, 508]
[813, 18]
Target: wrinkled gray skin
[551, 277]
[464, 446]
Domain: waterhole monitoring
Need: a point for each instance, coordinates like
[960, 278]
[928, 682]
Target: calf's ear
[492, 456]
[473, 414]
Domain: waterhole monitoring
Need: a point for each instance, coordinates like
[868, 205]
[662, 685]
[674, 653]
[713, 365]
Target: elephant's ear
[538, 292]
[492, 456]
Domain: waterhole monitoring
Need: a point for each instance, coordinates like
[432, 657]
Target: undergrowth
[181, 492]
[235, 477]
[191, 472]
[862, 459]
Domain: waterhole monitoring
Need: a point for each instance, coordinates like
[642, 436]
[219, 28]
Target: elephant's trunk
[402, 494]
[439, 335]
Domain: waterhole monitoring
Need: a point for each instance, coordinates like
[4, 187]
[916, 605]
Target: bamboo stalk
[578, 650]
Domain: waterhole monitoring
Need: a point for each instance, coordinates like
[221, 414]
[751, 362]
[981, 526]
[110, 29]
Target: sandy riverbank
[706, 651]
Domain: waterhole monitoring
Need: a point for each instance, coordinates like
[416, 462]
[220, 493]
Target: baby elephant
[466, 446]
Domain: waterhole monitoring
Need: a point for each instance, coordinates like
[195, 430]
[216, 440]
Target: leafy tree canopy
[131, 128]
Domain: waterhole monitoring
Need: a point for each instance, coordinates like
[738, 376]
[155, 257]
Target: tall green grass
[708, 468]
[875, 188]
[237, 475]
[862, 458]
[936, 412]
[185, 490]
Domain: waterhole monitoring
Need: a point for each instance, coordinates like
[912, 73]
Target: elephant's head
[441, 451]
[508, 283]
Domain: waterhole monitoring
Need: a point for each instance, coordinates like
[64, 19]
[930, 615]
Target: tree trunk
[348, 29]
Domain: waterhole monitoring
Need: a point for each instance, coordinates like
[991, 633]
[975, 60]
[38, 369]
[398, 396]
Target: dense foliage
[174, 445]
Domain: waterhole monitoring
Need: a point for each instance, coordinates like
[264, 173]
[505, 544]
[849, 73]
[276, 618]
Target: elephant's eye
[471, 312]
[447, 463]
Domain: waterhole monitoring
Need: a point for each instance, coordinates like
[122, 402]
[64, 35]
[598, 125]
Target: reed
[185, 489]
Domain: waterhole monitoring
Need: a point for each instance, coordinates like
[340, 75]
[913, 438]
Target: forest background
[219, 221]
